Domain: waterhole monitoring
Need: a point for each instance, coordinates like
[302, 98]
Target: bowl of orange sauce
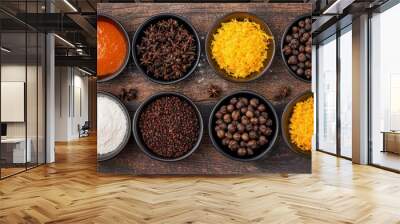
[113, 48]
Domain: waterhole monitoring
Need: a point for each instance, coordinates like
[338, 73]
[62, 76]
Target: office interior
[46, 92]
[356, 83]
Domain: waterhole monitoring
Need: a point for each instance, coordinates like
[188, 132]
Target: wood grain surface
[70, 191]
[206, 160]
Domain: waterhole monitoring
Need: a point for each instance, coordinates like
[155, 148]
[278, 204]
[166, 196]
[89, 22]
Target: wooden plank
[206, 160]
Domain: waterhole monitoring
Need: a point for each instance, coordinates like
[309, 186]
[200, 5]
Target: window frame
[339, 32]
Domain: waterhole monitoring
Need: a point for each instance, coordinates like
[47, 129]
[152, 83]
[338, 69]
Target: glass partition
[31, 99]
[345, 94]
[22, 77]
[326, 59]
[41, 97]
[14, 145]
[385, 89]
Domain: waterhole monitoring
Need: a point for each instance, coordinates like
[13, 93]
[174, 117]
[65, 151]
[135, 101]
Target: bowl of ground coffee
[168, 127]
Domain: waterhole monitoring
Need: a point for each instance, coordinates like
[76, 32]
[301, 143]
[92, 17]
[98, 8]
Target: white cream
[112, 124]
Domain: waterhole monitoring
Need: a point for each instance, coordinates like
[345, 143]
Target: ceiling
[75, 22]
[72, 20]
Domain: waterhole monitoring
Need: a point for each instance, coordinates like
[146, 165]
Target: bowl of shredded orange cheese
[298, 123]
[240, 47]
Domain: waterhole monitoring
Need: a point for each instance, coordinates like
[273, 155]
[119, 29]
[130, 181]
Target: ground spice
[169, 126]
[112, 48]
[301, 126]
[240, 47]
[112, 123]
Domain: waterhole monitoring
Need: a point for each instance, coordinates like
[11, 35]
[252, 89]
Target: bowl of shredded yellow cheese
[240, 47]
[298, 123]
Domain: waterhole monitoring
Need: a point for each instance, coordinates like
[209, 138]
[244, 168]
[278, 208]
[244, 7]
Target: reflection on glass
[15, 150]
[41, 99]
[31, 100]
[327, 95]
[385, 87]
[22, 92]
[346, 93]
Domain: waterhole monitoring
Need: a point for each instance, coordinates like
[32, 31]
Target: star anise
[283, 93]
[128, 95]
[214, 91]
[167, 50]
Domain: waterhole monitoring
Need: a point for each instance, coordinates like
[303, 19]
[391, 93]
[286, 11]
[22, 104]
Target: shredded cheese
[301, 125]
[240, 47]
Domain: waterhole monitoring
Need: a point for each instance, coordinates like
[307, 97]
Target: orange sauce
[111, 47]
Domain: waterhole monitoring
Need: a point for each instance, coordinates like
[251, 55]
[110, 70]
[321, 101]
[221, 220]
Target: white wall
[70, 83]
[62, 80]
[33, 126]
[16, 73]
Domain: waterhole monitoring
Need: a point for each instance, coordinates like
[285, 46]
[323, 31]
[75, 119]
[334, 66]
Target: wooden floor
[387, 159]
[70, 191]
[5, 172]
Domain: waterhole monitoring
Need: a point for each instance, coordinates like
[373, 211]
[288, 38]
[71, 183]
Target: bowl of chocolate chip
[243, 126]
[166, 48]
[296, 48]
[168, 127]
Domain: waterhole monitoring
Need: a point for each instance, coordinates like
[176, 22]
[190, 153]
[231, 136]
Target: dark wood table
[206, 160]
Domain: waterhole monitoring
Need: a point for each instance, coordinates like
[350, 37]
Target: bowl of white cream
[113, 126]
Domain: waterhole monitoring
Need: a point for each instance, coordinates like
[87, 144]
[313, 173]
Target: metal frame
[316, 98]
[338, 98]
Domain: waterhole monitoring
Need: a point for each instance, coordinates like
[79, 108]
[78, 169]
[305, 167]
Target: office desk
[391, 142]
[18, 150]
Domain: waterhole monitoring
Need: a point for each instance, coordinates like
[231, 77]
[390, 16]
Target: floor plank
[71, 191]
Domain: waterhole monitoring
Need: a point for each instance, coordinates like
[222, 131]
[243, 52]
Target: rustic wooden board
[206, 160]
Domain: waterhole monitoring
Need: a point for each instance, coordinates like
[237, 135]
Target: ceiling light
[64, 40]
[338, 6]
[84, 71]
[70, 5]
[5, 50]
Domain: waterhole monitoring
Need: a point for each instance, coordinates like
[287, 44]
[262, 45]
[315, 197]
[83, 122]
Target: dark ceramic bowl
[283, 44]
[225, 150]
[240, 16]
[287, 113]
[128, 50]
[152, 20]
[138, 137]
[121, 146]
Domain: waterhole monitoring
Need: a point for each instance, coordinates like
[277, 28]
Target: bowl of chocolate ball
[296, 48]
[243, 126]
